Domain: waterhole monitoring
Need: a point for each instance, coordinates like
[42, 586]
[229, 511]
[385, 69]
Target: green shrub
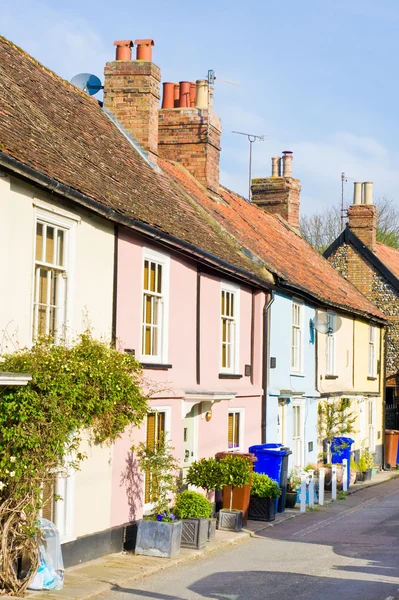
[236, 472]
[366, 461]
[264, 487]
[192, 505]
[206, 474]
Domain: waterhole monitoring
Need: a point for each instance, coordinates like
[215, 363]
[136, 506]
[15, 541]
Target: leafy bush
[264, 487]
[236, 472]
[206, 474]
[162, 471]
[192, 505]
[88, 388]
[366, 461]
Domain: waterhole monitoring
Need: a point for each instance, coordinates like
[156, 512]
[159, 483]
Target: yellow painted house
[350, 359]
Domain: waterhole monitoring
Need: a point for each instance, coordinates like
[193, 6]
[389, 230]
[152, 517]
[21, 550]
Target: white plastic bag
[50, 574]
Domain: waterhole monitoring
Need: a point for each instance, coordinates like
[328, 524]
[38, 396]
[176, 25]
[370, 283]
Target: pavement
[117, 571]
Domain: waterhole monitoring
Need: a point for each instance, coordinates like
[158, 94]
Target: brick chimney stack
[279, 194]
[189, 132]
[131, 92]
[362, 215]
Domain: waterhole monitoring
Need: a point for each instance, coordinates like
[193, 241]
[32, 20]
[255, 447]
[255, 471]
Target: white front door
[190, 438]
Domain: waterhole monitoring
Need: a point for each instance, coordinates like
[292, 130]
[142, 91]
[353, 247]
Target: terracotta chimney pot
[193, 93]
[287, 163]
[368, 192]
[276, 166]
[168, 98]
[201, 98]
[123, 49]
[357, 192]
[144, 49]
[177, 95]
[184, 99]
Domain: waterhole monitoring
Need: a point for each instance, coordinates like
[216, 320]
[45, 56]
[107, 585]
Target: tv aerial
[87, 82]
[326, 323]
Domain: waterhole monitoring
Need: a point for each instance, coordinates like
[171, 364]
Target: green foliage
[342, 495]
[88, 388]
[161, 469]
[366, 460]
[236, 472]
[192, 505]
[294, 479]
[264, 487]
[335, 418]
[206, 474]
[353, 465]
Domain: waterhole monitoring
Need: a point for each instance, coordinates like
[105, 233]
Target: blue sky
[316, 77]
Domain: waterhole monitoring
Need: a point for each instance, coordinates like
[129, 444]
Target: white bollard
[303, 492]
[345, 474]
[333, 482]
[311, 488]
[321, 486]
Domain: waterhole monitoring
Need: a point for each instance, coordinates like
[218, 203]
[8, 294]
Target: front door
[189, 438]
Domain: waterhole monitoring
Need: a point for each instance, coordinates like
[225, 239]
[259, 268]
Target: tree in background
[320, 230]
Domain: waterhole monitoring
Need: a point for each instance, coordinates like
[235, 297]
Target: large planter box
[156, 538]
[211, 529]
[230, 520]
[262, 509]
[194, 533]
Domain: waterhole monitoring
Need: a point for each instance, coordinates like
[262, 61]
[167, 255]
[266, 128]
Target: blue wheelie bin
[273, 461]
[340, 449]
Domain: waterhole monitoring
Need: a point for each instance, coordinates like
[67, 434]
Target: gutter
[161, 237]
[266, 361]
[313, 299]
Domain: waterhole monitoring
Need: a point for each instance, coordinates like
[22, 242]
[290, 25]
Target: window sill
[156, 366]
[330, 376]
[229, 376]
[371, 378]
[295, 374]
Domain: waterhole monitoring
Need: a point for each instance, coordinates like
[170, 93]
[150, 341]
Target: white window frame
[331, 351]
[164, 260]
[297, 365]
[148, 507]
[68, 224]
[372, 351]
[241, 412]
[235, 290]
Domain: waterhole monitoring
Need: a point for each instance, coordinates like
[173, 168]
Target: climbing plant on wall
[86, 389]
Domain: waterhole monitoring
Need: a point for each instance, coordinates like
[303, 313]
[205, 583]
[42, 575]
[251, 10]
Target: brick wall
[131, 93]
[354, 267]
[362, 219]
[186, 135]
[278, 195]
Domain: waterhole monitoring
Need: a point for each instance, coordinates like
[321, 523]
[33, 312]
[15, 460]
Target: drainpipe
[265, 361]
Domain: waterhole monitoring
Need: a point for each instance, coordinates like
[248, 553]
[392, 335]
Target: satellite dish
[87, 82]
[326, 323]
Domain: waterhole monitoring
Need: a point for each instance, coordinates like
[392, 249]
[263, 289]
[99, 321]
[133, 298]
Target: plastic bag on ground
[50, 574]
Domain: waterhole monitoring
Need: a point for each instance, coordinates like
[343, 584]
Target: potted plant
[206, 473]
[293, 485]
[160, 533]
[194, 510]
[335, 419]
[365, 464]
[262, 503]
[236, 472]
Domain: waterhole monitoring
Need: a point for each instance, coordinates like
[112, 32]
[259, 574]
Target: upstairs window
[229, 324]
[372, 368]
[296, 337]
[330, 344]
[50, 280]
[154, 325]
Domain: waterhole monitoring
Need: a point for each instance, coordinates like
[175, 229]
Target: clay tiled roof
[389, 257]
[281, 248]
[49, 125]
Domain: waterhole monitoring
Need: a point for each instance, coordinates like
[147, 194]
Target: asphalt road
[346, 551]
